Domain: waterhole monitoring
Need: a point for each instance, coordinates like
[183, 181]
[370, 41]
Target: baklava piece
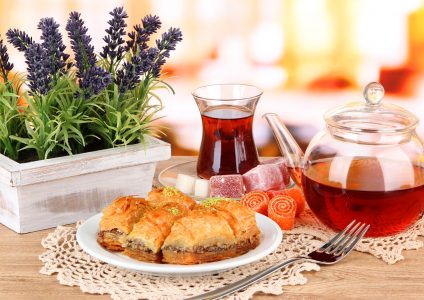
[146, 239]
[160, 196]
[118, 220]
[241, 219]
[212, 232]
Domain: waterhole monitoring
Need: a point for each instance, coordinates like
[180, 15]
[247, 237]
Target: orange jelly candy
[256, 200]
[282, 210]
[295, 193]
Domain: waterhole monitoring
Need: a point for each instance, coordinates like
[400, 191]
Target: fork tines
[346, 240]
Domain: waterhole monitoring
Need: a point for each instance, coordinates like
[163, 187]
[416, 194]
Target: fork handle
[238, 285]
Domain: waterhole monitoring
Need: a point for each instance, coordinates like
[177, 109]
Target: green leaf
[7, 94]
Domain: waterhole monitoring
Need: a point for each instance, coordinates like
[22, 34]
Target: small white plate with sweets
[177, 237]
[271, 174]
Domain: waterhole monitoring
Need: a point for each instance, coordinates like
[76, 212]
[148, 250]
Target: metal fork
[330, 253]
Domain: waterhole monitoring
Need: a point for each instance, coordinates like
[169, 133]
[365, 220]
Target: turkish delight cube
[280, 162]
[229, 186]
[263, 177]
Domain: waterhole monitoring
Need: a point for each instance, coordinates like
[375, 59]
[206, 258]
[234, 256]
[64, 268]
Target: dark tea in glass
[227, 144]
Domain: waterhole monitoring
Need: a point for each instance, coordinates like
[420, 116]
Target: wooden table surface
[361, 276]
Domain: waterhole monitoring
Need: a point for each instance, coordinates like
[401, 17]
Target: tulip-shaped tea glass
[227, 117]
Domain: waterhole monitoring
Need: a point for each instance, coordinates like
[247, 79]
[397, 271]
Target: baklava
[118, 220]
[170, 227]
[216, 230]
[160, 196]
[146, 239]
[241, 219]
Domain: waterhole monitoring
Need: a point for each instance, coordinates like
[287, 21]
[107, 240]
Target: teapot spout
[288, 146]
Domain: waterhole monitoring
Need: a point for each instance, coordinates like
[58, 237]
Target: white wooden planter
[57, 191]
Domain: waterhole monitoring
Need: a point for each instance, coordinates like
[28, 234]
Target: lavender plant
[10, 119]
[114, 49]
[92, 79]
[140, 36]
[51, 116]
[53, 122]
[5, 65]
[73, 105]
[53, 44]
[20, 39]
[129, 108]
[39, 77]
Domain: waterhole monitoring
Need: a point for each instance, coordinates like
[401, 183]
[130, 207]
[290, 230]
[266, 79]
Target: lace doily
[76, 268]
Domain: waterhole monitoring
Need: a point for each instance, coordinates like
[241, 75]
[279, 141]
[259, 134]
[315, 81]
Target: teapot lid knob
[374, 93]
[373, 116]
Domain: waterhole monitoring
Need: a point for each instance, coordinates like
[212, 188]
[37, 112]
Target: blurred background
[307, 55]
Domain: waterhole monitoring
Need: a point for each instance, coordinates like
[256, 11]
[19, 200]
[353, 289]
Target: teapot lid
[372, 116]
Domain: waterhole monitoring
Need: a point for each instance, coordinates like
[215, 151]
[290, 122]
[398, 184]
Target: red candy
[264, 177]
[283, 168]
[229, 186]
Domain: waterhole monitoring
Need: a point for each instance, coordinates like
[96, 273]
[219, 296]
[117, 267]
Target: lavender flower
[130, 74]
[169, 40]
[19, 39]
[92, 79]
[52, 42]
[164, 46]
[151, 24]
[143, 57]
[115, 32]
[38, 69]
[141, 34]
[5, 65]
[148, 60]
[80, 44]
[157, 67]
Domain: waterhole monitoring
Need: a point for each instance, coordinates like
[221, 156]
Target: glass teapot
[366, 165]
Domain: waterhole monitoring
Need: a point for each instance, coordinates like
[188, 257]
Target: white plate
[271, 237]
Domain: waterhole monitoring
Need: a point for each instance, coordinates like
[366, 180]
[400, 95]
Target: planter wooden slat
[44, 194]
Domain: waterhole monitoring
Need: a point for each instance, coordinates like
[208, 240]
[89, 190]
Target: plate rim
[173, 269]
[160, 175]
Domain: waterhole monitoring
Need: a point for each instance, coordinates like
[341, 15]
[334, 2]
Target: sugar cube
[229, 186]
[185, 183]
[201, 188]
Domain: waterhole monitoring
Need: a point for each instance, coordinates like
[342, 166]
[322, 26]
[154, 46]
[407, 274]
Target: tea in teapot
[366, 165]
[364, 195]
